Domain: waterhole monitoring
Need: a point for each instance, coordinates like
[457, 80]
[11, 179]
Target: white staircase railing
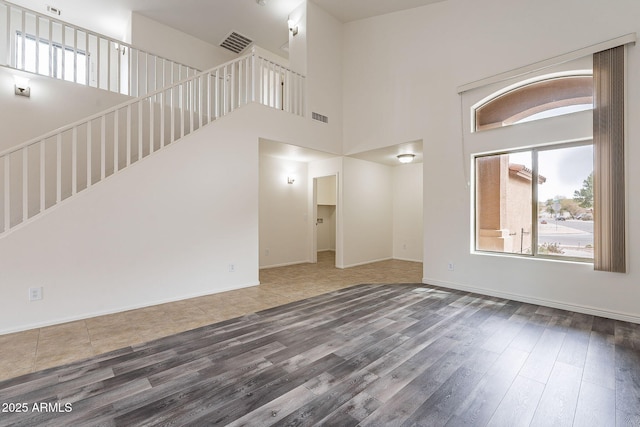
[44, 171]
[43, 45]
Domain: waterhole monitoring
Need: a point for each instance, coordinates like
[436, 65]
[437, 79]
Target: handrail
[127, 73]
[46, 170]
[112, 109]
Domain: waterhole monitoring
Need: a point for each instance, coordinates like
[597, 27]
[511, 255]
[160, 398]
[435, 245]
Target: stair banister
[100, 145]
[108, 71]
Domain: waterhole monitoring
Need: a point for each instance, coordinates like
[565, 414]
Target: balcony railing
[45, 171]
[40, 44]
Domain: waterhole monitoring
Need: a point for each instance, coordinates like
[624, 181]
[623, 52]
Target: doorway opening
[325, 209]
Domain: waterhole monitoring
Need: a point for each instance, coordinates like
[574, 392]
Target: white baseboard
[367, 262]
[537, 301]
[284, 264]
[120, 310]
[408, 259]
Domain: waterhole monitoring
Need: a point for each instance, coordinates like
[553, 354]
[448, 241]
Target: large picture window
[536, 202]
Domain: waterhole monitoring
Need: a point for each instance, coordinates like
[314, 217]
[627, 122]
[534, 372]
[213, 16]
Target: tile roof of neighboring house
[524, 172]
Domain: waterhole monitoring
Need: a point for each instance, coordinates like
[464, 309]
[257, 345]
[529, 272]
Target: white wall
[326, 190]
[407, 212]
[298, 43]
[142, 237]
[324, 68]
[164, 229]
[368, 212]
[22, 119]
[420, 57]
[284, 214]
[157, 38]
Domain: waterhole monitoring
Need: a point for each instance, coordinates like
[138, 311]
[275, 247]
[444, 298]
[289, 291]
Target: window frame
[534, 205]
[53, 58]
[523, 85]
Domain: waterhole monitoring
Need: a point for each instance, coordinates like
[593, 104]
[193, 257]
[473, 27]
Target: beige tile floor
[37, 349]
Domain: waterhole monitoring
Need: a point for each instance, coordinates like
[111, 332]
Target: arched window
[548, 96]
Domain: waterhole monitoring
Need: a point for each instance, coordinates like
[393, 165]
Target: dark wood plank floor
[370, 355]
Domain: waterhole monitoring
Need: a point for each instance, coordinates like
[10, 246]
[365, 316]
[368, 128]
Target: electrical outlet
[266, 252]
[232, 268]
[451, 266]
[35, 294]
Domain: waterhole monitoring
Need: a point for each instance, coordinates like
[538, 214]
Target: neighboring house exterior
[504, 205]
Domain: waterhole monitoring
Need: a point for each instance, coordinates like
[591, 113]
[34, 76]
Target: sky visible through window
[565, 170]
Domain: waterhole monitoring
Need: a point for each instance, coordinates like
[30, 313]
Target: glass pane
[548, 97]
[565, 202]
[504, 203]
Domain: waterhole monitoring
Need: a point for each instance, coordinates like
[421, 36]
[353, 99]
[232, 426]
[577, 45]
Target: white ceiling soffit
[353, 10]
[389, 155]
[292, 152]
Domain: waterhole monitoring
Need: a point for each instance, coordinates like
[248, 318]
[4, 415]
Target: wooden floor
[379, 355]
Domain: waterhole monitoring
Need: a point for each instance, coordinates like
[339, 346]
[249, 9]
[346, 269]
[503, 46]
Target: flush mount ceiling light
[405, 158]
[261, 2]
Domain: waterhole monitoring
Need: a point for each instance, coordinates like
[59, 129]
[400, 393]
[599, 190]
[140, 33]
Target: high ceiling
[212, 20]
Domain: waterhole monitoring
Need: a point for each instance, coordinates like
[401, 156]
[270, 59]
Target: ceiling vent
[236, 42]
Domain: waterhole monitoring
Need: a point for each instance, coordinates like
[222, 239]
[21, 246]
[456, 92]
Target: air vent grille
[54, 10]
[320, 117]
[236, 42]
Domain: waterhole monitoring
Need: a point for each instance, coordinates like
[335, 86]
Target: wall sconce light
[290, 180]
[21, 86]
[405, 158]
[292, 27]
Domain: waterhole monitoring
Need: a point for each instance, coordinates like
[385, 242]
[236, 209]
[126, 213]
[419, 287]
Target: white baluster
[74, 160]
[217, 93]
[182, 107]
[140, 130]
[58, 168]
[89, 155]
[162, 113]
[103, 147]
[116, 140]
[151, 125]
[25, 183]
[208, 98]
[128, 134]
[172, 110]
[23, 42]
[191, 102]
[43, 189]
[7, 192]
[75, 55]
[37, 44]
